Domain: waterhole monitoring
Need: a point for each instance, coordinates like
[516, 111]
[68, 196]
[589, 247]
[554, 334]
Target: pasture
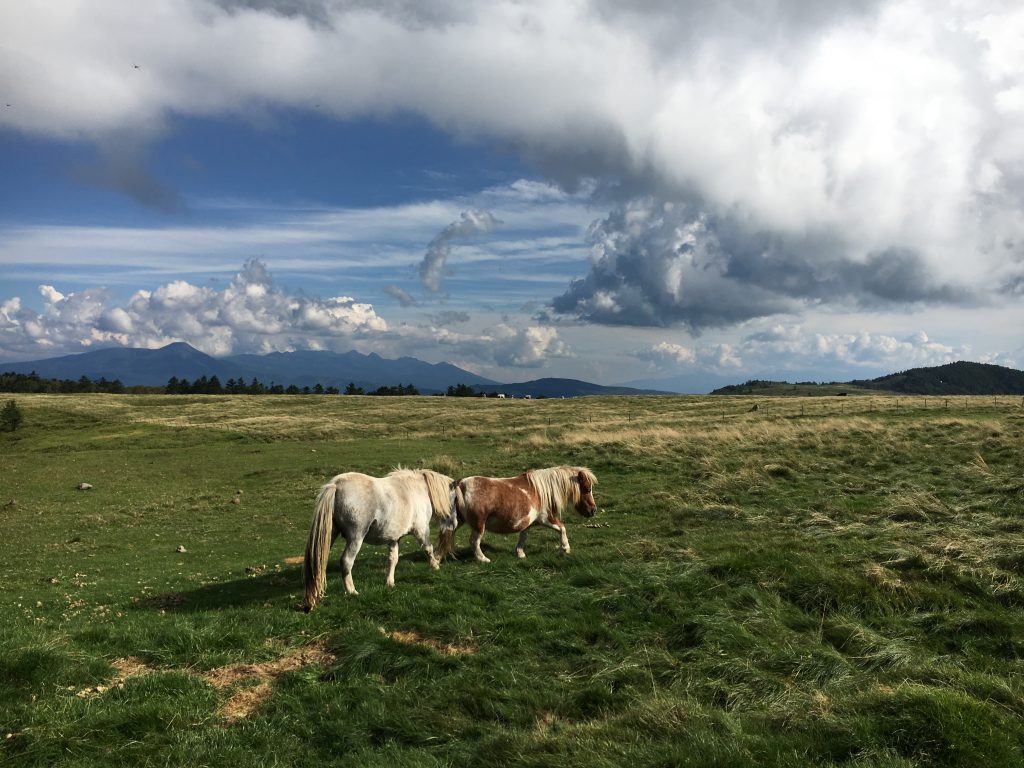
[825, 581]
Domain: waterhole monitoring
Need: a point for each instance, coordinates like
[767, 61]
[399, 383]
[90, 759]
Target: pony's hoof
[520, 554]
[483, 559]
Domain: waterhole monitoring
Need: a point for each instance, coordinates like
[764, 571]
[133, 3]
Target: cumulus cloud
[801, 349]
[471, 222]
[504, 344]
[250, 314]
[667, 355]
[253, 314]
[660, 263]
[792, 347]
[866, 150]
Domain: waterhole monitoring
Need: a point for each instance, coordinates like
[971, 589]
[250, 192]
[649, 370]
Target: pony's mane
[555, 485]
[438, 488]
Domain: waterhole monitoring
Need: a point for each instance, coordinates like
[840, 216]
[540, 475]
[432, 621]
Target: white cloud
[250, 314]
[800, 349]
[504, 345]
[871, 125]
[665, 354]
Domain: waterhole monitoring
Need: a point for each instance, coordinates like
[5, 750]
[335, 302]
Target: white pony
[380, 510]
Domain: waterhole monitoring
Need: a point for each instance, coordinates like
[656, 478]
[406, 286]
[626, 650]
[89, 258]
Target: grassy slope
[819, 582]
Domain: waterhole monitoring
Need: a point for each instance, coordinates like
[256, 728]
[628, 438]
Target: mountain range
[154, 367]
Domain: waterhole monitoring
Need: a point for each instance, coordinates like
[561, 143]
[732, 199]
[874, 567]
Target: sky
[661, 191]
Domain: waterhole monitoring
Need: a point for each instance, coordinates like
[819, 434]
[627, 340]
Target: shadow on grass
[267, 587]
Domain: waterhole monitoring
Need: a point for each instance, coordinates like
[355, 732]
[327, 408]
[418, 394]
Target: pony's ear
[581, 478]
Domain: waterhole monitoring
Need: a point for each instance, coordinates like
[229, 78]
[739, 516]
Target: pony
[515, 504]
[380, 510]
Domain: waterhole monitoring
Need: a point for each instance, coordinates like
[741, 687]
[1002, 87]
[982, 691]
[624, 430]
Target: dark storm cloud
[663, 264]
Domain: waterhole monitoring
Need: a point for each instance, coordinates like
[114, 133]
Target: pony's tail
[446, 539]
[318, 547]
[439, 491]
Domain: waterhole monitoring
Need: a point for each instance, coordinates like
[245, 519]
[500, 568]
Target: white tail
[318, 547]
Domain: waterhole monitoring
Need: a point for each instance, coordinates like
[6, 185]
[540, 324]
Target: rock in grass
[181, 549]
[84, 487]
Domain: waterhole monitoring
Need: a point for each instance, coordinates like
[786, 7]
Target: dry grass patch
[883, 578]
[258, 678]
[414, 638]
[130, 666]
[916, 506]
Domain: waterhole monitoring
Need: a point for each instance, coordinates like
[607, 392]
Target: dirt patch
[297, 560]
[130, 666]
[445, 649]
[253, 681]
[257, 679]
[245, 702]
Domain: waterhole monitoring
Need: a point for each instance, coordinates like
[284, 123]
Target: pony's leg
[559, 526]
[423, 537]
[565, 539]
[474, 541]
[348, 557]
[521, 543]
[392, 562]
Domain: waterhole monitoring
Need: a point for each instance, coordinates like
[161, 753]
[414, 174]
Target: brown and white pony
[380, 510]
[514, 504]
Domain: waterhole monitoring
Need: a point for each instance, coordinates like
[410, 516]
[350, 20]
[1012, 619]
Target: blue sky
[677, 192]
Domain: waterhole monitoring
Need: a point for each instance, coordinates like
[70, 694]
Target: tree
[352, 389]
[10, 417]
[461, 390]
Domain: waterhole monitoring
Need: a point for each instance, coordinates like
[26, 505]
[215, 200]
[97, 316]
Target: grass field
[823, 581]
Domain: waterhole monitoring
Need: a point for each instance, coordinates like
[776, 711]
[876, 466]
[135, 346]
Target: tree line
[33, 383]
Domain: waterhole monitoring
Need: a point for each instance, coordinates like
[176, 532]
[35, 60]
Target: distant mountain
[366, 371]
[563, 388]
[960, 378]
[153, 367]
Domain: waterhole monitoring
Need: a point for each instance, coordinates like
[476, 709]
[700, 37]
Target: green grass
[820, 582]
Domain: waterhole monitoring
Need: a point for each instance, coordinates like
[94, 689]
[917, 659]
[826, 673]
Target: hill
[959, 378]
